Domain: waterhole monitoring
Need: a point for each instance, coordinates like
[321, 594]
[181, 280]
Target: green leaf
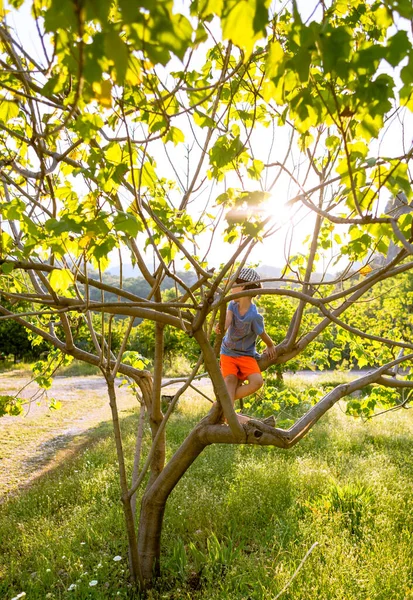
[407, 71]
[148, 174]
[254, 198]
[225, 150]
[174, 135]
[13, 210]
[134, 359]
[114, 153]
[98, 9]
[6, 268]
[101, 250]
[11, 406]
[65, 224]
[261, 15]
[358, 149]
[406, 96]
[203, 120]
[332, 141]
[403, 7]
[103, 92]
[398, 47]
[369, 127]
[335, 354]
[61, 280]
[204, 8]
[127, 223]
[9, 109]
[399, 179]
[60, 15]
[255, 171]
[55, 404]
[87, 124]
[174, 34]
[275, 59]
[130, 10]
[335, 44]
[44, 381]
[117, 50]
[238, 24]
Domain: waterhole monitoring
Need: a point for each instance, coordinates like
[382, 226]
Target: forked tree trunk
[155, 414]
[154, 502]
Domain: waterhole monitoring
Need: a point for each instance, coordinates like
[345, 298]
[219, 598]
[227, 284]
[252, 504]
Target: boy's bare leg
[231, 381]
[233, 384]
[255, 381]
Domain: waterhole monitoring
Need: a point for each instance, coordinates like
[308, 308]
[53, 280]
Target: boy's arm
[270, 351]
[228, 321]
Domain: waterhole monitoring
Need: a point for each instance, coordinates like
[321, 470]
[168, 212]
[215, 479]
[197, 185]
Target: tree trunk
[155, 415]
[155, 497]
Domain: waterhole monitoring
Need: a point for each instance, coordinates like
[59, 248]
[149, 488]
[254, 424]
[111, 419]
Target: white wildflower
[21, 595]
[117, 558]
[71, 587]
[93, 583]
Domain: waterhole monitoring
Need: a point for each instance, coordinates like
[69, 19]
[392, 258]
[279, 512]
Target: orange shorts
[241, 366]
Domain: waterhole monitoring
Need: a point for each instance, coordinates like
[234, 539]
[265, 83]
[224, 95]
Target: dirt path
[33, 444]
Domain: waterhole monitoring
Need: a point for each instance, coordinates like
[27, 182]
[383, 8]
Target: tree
[16, 340]
[120, 84]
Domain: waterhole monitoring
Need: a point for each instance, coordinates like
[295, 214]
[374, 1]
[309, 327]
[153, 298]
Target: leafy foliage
[10, 405]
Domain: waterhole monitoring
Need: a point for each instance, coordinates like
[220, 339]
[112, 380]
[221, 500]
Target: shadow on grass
[54, 454]
[58, 453]
[398, 448]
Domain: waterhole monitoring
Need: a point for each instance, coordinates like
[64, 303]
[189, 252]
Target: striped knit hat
[249, 276]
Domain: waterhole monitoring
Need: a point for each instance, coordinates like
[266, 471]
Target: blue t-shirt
[241, 335]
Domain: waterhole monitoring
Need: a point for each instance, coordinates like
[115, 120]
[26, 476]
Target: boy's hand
[270, 351]
[217, 328]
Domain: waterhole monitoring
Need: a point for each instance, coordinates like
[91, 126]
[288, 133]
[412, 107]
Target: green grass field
[238, 524]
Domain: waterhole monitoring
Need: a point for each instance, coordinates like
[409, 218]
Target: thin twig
[296, 571]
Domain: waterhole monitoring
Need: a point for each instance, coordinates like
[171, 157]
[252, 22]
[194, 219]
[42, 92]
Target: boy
[243, 324]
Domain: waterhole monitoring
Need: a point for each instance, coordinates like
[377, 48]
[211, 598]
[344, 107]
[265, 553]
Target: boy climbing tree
[238, 355]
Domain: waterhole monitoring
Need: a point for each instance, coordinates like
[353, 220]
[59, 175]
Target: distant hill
[269, 272]
[127, 271]
[135, 284]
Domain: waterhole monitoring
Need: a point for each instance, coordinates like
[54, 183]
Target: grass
[236, 526]
[22, 368]
[78, 368]
[178, 366]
